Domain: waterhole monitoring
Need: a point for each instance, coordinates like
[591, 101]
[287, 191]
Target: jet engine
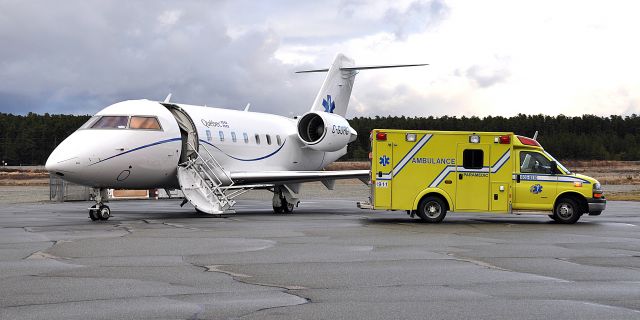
[324, 131]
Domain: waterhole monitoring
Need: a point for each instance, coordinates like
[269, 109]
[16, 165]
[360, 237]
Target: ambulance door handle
[460, 176]
[517, 178]
[379, 174]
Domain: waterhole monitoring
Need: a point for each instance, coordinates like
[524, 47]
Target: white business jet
[212, 154]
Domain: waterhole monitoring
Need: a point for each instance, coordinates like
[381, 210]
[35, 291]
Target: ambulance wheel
[566, 211]
[104, 213]
[431, 209]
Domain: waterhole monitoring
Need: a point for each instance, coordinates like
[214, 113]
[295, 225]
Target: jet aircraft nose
[61, 163]
[65, 158]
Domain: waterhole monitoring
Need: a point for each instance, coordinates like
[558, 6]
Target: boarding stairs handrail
[206, 171]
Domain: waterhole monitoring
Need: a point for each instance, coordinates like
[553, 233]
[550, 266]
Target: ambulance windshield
[563, 168]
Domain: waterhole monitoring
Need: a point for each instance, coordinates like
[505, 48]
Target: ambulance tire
[431, 209]
[566, 211]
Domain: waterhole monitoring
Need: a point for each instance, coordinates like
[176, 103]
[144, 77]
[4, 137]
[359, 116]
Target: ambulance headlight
[474, 139]
[411, 137]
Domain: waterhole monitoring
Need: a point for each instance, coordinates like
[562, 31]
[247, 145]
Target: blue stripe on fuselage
[139, 148]
[240, 159]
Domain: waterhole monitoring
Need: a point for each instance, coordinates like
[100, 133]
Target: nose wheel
[99, 212]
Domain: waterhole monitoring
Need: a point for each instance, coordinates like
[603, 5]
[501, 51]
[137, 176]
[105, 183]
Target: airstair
[204, 183]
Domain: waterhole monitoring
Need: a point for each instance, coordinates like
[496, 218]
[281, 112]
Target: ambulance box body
[431, 172]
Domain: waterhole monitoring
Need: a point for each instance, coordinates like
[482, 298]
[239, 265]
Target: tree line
[587, 137]
[29, 139]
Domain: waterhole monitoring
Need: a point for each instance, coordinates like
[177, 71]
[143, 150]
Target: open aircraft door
[188, 132]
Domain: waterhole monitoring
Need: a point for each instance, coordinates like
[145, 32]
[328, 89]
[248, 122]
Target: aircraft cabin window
[148, 123]
[111, 122]
[246, 137]
[472, 159]
[278, 140]
[257, 138]
[268, 139]
[233, 137]
[221, 135]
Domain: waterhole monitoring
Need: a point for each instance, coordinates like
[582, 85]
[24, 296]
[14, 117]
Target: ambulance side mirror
[553, 167]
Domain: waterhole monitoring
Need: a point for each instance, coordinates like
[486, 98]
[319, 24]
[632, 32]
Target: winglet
[168, 98]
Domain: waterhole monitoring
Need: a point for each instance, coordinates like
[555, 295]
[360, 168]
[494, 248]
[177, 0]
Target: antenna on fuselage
[168, 98]
[247, 107]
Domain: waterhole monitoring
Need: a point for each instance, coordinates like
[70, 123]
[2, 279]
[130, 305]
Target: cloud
[417, 17]
[486, 76]
[487, 57]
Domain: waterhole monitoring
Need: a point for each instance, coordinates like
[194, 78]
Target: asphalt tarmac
[327, 260]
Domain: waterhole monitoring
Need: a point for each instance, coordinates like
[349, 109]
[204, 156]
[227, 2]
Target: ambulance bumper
[364, 205]
[596, 206]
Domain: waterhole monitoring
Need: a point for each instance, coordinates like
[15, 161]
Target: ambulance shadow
[476, 221]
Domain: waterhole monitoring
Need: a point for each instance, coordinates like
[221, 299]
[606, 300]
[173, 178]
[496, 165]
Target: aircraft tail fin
[335, 92]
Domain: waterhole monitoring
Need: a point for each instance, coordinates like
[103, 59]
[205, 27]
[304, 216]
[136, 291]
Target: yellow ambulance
[431, 172]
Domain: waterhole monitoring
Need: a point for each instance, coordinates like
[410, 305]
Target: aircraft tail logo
[328, 104]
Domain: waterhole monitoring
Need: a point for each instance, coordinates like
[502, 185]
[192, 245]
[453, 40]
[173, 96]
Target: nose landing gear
[100, 211]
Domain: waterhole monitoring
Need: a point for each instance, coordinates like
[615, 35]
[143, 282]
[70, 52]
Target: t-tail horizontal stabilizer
[367, 67]
[335, 92]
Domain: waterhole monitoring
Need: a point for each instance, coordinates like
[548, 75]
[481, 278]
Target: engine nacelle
[324, 131]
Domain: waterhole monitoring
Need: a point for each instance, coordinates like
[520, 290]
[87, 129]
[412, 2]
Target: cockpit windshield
[140, 122]
[123, 122]
[111, 122]
[90, 122]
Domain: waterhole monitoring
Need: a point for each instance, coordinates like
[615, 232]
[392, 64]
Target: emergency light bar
[528, 141]
[381, 136]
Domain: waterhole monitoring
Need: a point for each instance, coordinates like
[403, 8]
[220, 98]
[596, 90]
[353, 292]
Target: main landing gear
[100, 211]
[283, 200]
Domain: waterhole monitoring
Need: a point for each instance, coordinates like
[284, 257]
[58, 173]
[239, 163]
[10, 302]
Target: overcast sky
[486, 57]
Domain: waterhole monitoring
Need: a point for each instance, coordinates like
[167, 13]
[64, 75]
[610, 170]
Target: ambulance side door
[535, 185]
[382, 166]
[472, 175]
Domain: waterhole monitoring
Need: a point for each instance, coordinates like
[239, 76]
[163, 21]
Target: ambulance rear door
[381, 168]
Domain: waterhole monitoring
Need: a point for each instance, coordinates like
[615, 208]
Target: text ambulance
[431, 172]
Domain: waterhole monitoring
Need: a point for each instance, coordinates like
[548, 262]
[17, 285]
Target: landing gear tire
[285, 208]
[104, 213]
[93, 214]
[566, 211]
[431, 210]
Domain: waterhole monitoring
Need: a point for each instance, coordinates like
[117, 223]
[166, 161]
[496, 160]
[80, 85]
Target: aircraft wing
[287, 177]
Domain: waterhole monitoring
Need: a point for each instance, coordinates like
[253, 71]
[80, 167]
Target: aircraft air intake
[326, 132]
